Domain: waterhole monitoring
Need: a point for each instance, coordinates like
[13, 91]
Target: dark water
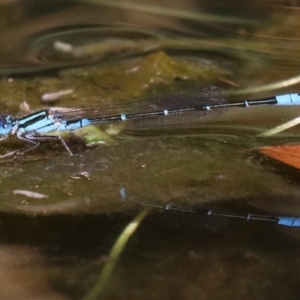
[59, 246]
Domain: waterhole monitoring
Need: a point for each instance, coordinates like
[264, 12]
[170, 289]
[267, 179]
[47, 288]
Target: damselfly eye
[5, 127]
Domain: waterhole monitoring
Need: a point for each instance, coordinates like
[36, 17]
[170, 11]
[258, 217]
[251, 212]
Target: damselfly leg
[36, 139]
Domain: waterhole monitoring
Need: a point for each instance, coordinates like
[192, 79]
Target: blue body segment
[42, 126]
[289, 221]
[39, 122]
[74, 125]
[288, 99]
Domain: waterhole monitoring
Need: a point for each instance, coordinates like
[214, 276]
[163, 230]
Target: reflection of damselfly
[203, 105]
[290, 221]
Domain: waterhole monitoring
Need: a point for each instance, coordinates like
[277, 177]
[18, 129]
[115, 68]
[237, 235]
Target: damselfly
[204, 104]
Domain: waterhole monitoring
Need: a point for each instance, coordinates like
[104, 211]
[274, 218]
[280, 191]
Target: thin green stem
[114, 255]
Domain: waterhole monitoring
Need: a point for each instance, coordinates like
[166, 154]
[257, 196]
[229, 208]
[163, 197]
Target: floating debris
[53, 97]
[81, 175]
[63, 47]
[30, 194]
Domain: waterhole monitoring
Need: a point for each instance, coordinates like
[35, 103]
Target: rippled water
[67, 244]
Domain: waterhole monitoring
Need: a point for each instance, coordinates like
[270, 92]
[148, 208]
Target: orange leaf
[288, 154]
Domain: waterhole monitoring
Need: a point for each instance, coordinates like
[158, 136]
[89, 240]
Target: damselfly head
[5, 125]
